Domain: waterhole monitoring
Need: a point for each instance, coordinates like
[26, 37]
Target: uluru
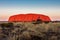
[28, 17]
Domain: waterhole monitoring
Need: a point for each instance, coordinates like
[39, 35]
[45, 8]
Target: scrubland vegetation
[30, 31]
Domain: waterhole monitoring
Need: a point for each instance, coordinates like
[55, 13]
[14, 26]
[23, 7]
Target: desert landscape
[29, 31]
[29, 19]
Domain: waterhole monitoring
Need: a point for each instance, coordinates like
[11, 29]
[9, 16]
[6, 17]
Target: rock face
[28, 17]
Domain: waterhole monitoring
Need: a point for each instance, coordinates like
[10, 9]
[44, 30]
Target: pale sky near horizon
[50, 8]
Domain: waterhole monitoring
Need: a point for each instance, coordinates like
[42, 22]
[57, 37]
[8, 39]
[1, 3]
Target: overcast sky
[50, 8]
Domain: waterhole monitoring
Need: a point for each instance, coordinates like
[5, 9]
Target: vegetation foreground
[29, 31]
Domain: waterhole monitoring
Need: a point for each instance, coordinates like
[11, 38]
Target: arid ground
[29, 31]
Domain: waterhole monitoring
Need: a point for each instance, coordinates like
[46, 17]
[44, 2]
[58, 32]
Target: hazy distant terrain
[29, 31]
